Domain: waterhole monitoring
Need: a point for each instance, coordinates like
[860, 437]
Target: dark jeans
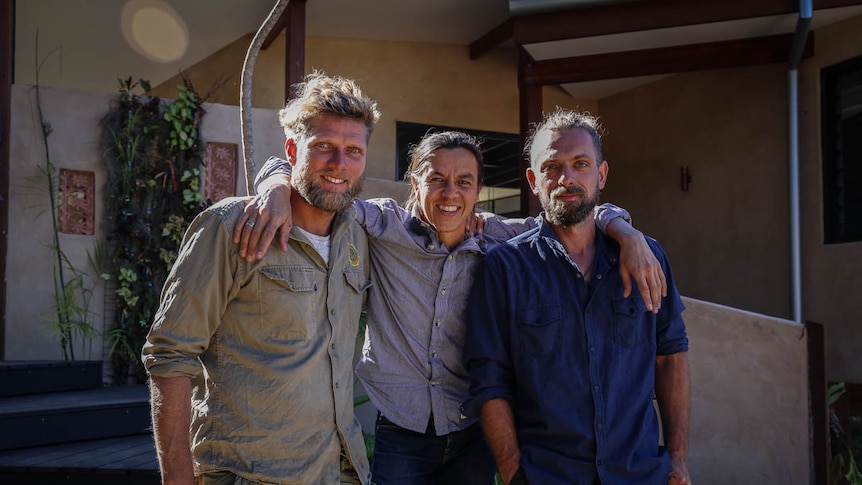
[404, 457]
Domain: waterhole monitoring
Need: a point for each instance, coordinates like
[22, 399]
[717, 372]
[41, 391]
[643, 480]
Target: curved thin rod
[245, 90]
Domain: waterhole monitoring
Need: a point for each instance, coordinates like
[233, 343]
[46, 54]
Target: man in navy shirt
[564, 368]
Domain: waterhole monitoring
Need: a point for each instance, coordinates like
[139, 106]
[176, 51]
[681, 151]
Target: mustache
[568, 191]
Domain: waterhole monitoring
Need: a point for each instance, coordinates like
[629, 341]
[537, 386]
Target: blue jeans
[404, 457]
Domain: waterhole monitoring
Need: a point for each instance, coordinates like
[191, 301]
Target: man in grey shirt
[422, 268]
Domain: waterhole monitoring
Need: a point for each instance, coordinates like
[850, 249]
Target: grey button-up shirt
[269, 347]
[411, 364]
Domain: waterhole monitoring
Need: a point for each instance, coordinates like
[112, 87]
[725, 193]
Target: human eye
[465, 183]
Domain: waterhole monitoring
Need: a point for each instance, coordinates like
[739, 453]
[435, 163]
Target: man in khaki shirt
[251, 363]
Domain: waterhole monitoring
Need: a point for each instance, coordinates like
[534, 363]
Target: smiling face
[447, 191]
[566, 175]
[329, 162]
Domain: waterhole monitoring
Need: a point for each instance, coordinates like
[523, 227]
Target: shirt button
[598, 276]
[595, 388]
[336, 385]
[433, 383]
[450, 257]
[579, 275]
[599, 462]
[431, 247]
[599, 426]
[434, 354]
[437, 323]
[332, 346]
[592, 349]
[332, 311]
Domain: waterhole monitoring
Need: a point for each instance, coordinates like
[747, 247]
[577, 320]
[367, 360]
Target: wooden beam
[7, 54]
[655, 14]
[295, 46]
[491, 40]
[817, 391]
[530, 112]
[664, 60]
[277, 29]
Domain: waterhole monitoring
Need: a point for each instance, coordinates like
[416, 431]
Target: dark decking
[60, 426]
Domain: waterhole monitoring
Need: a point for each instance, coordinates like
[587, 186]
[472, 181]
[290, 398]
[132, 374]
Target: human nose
[450, 188]
[567, 177]
[338, 158]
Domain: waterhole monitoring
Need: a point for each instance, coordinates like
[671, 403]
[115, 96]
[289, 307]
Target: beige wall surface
[727, 237]
[831, 277]
[434, 84]
[74, 144]
[749, 397]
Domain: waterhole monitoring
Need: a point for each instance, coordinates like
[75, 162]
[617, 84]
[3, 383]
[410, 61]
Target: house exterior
[699, 154]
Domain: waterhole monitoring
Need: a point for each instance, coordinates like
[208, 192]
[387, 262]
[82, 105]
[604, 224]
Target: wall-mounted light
[684, 178]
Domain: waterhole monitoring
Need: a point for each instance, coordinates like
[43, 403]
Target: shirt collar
[607, 250]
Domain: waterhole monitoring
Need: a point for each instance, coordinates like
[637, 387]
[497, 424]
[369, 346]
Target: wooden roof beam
[654, 14]
[664, 60]
[490, 41]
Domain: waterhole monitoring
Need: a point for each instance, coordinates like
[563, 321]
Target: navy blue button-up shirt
[575, 360]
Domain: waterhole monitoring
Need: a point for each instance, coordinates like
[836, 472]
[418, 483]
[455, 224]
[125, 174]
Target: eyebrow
[460, 175]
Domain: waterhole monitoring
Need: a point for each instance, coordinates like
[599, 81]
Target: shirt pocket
[287, 300]
[632, 322]
[356, 280]
[539, 329]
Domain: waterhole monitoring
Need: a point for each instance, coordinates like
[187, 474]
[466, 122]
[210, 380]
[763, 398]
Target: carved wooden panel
[220, 161]
[76, 201]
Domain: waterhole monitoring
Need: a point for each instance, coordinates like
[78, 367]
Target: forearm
[277, 181]
[498, 423]
[171, 407]
[672, 394]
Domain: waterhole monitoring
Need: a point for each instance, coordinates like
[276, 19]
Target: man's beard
[308, 187]
[566, 214]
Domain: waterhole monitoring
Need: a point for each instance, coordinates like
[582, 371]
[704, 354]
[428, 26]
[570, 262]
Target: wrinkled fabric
[575, 360]
[411, 365]
[269, 347]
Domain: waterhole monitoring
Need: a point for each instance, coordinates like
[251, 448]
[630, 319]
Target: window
[841, 106]
[502, 155]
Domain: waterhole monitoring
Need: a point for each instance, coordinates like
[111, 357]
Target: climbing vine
[152, 152]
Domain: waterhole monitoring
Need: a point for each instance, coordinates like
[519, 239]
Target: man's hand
[475, 223]
[638, 261]
[678, 473]
[264, 216]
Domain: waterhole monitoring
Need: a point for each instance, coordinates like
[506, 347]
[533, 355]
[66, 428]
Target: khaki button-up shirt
[269, 346]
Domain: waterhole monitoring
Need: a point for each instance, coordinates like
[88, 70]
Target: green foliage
[846, 445]
[151, 150]
[71, 319]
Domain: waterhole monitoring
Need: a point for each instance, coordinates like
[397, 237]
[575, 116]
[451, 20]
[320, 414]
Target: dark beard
[568, 214]
[309, 189]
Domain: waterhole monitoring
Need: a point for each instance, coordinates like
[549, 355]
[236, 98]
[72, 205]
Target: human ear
[531, 179]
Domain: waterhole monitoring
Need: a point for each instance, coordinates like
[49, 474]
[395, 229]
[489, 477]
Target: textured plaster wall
[749, 397]
[727, 237]
[434, 84]
[831, 277]
[74, 144]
